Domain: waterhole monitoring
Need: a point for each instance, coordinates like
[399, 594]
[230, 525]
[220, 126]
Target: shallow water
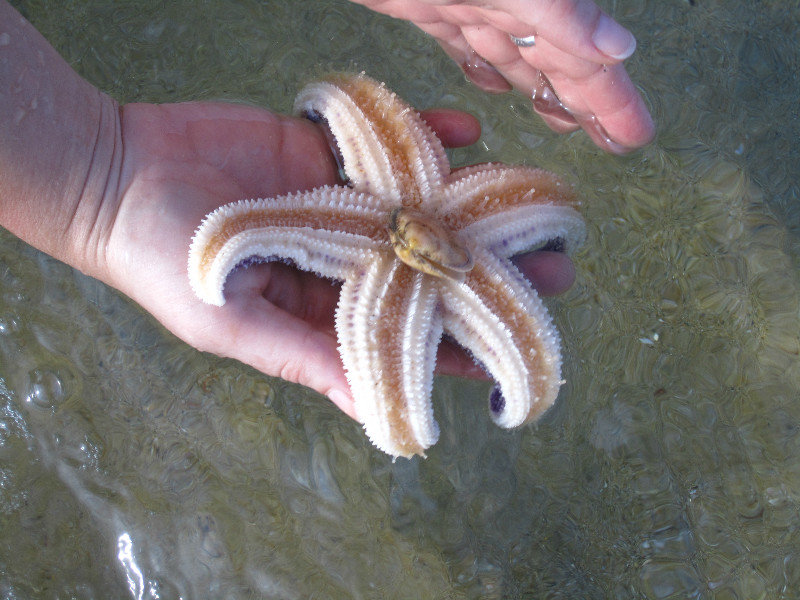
[133, 466]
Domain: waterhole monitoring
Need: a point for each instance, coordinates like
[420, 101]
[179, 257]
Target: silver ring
[523, 42]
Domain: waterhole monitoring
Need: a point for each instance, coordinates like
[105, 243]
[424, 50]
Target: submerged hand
[572, 70]
[181, 162]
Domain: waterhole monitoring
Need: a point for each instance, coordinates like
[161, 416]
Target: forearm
[60, 149]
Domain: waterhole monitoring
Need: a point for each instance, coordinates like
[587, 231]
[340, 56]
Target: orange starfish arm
[386, 148]
[498, 315]
[330, 231]
[389, 329]
[512, 209]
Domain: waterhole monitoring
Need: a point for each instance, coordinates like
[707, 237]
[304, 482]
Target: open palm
[182, 161]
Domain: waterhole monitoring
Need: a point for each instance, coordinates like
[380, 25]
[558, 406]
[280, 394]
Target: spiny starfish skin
[391, 317]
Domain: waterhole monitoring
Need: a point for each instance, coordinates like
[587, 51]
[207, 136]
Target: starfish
[421, 250]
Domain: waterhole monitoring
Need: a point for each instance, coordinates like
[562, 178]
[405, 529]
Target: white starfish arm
[389, 328]
[524, 228]
[511, 209]
[387, 149]
[498, 316]
[330, 231]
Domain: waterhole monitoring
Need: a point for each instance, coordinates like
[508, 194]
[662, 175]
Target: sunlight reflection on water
[132, 571]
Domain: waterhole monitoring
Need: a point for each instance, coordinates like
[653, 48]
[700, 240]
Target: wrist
[62, 199]
[60, 151]
[94, 194]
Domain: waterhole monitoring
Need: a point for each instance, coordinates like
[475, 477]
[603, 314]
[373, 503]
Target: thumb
[278, 343]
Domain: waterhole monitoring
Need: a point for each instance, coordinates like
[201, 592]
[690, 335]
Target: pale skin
[117, 193]
[577, 46]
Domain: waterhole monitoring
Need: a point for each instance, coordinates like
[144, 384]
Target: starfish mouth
[424, 244]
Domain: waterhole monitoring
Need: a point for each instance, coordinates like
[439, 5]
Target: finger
[452, 359]
[483, 74]
[519, 63]
[454, 128]
[577, 27]
[560, 123]
[609, 108]
[551, 273]
[278, 342]
[478, 71]
[308, 354]
[300, 293]
[603, 100]
[524, 72]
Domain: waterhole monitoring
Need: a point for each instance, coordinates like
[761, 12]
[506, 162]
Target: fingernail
[484, 75]
[547, 104]
[612, 39]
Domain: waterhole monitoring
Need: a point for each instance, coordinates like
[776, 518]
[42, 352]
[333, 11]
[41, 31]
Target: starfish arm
[497, 315]
[420, 250]
[511, 210]
[389, 328]
[526, 228]
[470, 170]
[331, 231]
[386, 147]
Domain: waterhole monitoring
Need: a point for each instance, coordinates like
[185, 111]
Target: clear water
[133, 466]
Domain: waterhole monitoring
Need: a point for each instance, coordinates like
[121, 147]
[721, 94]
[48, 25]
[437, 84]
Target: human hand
[182, 161]
[573, 71]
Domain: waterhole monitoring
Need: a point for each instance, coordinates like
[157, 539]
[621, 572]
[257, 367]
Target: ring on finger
[523, 42]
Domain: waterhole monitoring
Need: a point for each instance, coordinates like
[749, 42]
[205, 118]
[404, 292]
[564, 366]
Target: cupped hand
[182, 161]
[571, 67]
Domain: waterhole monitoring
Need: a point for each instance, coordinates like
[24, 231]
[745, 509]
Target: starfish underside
[391, 315]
